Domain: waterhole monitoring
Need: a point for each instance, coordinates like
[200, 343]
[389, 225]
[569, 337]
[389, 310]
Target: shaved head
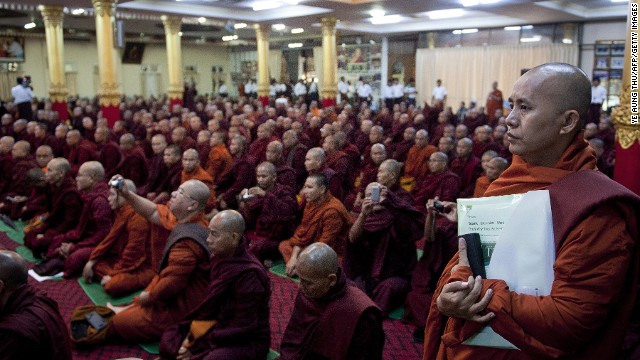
[198, 191]
[319, 258]
[231, 220]
[13, 270]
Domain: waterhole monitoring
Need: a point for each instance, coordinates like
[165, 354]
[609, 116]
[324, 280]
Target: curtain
[468, 72]
[71, 81]
[7, 81]
[317, 63]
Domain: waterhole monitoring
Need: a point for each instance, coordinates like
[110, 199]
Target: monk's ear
[570, 121]
[333, 278]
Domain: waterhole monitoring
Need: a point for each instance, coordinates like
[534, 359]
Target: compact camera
[117, 184]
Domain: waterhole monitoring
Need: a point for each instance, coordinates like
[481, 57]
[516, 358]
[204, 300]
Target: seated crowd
[203, 200]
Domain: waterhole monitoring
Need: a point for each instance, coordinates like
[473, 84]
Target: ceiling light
[445, 14]
[297, 30]
[567, 41]
[512, 28]
[266, 5]
[278, 27]
[531, 39]
[202, 20]
[180, 33]
[527, 27]
[295, 45]
[467, 3]
[619, 0]
[389, 19]
[377, 13]
[291, 2]
[239, 26]
[372, 42]
[77, 11]
[230, 37]
[30, 25]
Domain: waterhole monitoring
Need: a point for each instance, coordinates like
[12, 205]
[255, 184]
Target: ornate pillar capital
[171, 24]
[51, 14]
[104, 7]
[627, 133]
[328, 24]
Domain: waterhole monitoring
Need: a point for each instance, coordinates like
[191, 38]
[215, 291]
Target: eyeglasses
[183, 193]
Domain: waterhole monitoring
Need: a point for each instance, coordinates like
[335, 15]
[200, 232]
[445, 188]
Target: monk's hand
[367, 206]
[459, 299]
[290, 271]
[40, 236]
[87, 272]
[151, 196]
[223, 204]
[65, 249]
[183, 354]
[144, 299]
[105, 279]
[257, 191]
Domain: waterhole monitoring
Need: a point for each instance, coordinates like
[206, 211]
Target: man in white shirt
[343, 90]
[300, 90]
[439, 93]
[397, 91]
[364, 92]
[410, 92]
[387, 94]
[22, 95]
[598, 96]
[222, 91]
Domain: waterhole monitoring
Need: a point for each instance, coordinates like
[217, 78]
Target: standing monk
[220, 161]
[595, 226]
[183, 274]
[494, 101]
[232, 322]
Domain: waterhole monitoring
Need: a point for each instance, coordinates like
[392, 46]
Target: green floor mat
[396, 314]
[279, 268]
[419, 253]
[272, 355]
[151, 348]
[15, 235]
[96, 293]
[26, 253]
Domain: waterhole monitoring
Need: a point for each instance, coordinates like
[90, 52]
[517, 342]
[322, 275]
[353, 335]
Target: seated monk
[294, 153]
[592, 301]
[269, 210]
[71, 250]
[122, 261]
[286, 176]
[180, 137]
[315, 163]
[389, 176]
[324, 219]
[191, 170]
[80, 150]
[257, 149]
[440, 182]
[339, 162]
[368, 175]
[232, 322]
[239, 177]
[381, 252]
[108, 151]
[331, 318]
[220, 160]
[493, 169]
[133, 164]
[64, 203]
[27, 207]
[482, 141]
[417, 165]
[183, 273]
[31, 326]
[6, 161]
[158, 170]
[18, 187]
[466, 166]
[172, 159]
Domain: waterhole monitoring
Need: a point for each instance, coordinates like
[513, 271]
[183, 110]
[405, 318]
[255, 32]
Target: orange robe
[220, 162]
[175, 291]
[200, 174]
[124, 254]
[417, 165]
[327, 222]
[596, 274]
[482, 184]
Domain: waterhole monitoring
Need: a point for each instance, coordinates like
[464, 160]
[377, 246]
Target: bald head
[94, 169]
[21, 149]
[198, 191]
[44, 154]
[318, 259]
[13, 271]
[495, 167]
[274, 151]
[231, 221]
[6, 144]
[59, 164]
[226, 230]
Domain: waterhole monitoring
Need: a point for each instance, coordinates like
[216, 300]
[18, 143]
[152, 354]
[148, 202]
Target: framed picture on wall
[617, 62]
[616, 74]
[617, 50]
[133, 53]
[603, 75]
[11, 49]
[602, 63]
[602, 49]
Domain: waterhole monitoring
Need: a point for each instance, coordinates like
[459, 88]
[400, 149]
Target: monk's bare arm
[357, 228]
[143, 206]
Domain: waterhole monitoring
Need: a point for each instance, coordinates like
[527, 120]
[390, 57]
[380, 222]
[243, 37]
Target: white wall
[593, 32]
[83, 57]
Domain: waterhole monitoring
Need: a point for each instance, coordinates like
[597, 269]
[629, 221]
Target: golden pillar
[431, 40]
[262, 42]
[329, 62]
[174, 59]
[53, 16]
[625, 117]
[109, 92]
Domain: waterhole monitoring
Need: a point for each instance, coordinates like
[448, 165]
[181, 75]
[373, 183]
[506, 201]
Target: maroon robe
[480, 148]
[368, 175]
[241, 176]
[18, 183]
[133, 166]
[238, 300]
[257, 152]
[286, 176]
[473, 123]
[109, 156]
[270, 219]
[339, 162]
[203, 154]
[343, 324]
[469, 170]
[188, 143]
[82, 152]
[158, 172]
[31, 327]
[381, 261]
[295, 158]
[6, 164]
[446, 186]
[401, 150]
[335, 183]
[94, 225]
